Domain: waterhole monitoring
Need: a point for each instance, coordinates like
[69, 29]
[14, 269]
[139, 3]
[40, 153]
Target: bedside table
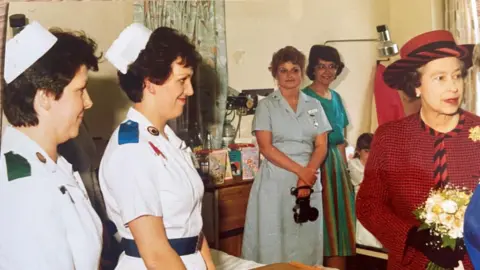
[223, 212]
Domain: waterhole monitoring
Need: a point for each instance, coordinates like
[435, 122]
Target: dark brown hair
[325, 53]
[154, 63]
[363, 143]
[287, 54]
[52, 72]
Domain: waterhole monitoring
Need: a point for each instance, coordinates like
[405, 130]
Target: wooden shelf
[236, 181]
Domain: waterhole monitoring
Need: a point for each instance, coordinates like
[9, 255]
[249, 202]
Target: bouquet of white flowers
[443, 215]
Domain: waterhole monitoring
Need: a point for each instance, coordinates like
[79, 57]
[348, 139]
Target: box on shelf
[214, 165]
[249, 159]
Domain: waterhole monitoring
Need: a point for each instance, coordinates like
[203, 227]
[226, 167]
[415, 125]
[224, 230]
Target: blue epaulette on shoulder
[128, 133]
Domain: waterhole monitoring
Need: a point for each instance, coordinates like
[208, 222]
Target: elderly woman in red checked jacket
[422, 151]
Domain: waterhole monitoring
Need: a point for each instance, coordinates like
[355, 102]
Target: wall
[409, 18]
[257, 28]
[102, 21]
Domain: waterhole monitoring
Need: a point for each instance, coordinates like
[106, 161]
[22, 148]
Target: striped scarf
[440, 171]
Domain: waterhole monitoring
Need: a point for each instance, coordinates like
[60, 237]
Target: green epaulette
[17, 166]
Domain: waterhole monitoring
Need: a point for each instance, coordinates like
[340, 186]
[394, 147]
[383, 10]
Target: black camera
[302, 211]
[246, 103]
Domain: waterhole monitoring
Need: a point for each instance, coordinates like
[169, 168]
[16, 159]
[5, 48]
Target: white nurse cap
[24, 49]
[126, 48]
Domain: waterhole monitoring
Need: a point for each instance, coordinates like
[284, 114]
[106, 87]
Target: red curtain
[387, 100]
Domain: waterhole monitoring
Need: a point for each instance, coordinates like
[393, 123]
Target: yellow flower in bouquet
[443, 213]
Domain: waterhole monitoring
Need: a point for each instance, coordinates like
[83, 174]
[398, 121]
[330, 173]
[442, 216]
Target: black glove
[443, 257]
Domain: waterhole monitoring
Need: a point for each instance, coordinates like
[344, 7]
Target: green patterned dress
[338, 193]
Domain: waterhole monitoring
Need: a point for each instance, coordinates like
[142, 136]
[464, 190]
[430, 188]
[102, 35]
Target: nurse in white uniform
[47, 221]
[152, 191]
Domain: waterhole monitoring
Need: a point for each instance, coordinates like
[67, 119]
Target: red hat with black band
[422, 49]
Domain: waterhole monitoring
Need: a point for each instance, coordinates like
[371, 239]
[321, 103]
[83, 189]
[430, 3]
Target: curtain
[3, 32]
[203, 22]
[461, 18]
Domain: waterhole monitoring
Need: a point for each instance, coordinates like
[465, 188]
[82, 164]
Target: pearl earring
[418, 94]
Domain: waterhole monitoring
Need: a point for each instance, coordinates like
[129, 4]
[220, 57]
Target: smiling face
[289, 76]
[325, 72]
[65, 115]
[171, 96]
[441, 89]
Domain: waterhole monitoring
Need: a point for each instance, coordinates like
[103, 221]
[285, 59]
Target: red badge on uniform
[156, 150]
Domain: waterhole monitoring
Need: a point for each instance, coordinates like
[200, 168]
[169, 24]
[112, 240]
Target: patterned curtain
[461, 18]
[203, 22]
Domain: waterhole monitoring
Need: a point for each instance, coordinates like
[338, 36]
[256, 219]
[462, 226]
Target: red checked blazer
[399, 176]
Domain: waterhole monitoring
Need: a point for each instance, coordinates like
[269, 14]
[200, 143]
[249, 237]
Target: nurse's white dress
[47, 221]
[142, 173]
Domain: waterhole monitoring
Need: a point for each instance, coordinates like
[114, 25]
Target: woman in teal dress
[338, 194]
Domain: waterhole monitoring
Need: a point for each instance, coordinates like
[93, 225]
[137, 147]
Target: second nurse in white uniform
[152, 191]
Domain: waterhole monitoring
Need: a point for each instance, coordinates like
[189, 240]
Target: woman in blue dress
[291, 130]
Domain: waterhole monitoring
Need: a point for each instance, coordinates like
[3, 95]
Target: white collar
[18, 142]
[173, 139]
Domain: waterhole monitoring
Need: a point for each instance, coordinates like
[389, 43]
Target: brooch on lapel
[474, 134]
[153, 130]
[156, 150]
[41, 158]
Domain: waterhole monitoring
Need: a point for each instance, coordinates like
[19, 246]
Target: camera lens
[313, 214]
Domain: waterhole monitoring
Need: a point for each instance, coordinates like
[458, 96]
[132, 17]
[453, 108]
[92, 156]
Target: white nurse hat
[24, 49]
[126, 48]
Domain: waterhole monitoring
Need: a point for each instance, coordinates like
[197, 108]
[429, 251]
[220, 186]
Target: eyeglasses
[330, 66]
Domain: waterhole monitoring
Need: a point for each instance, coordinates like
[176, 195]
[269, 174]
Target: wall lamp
[385, 46]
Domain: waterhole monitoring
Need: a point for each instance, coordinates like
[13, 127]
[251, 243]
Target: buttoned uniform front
[47, 221]
[142, 173]
[271, 234]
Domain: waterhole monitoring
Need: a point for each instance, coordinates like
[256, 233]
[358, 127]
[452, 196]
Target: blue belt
[183, 246]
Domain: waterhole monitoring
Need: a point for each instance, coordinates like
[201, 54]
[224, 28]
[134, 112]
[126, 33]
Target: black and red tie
[440, 171]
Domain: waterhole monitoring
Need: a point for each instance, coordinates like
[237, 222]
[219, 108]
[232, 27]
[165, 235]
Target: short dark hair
[287, 54]
[363, 143]
[52, 72]
[154, 63]
[412, 80]
[325, 53]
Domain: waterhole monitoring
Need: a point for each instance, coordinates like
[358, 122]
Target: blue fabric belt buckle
[183, 246]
